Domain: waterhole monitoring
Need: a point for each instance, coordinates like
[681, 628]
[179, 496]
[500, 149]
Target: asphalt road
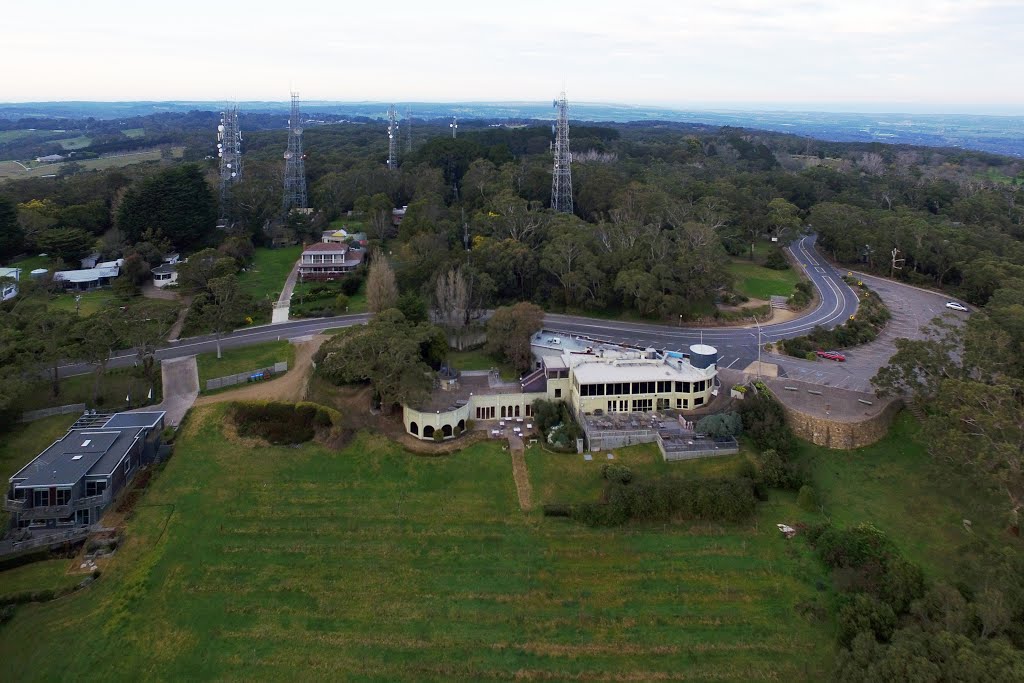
[737, 346]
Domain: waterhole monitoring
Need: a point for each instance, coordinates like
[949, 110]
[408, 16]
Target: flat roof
[597, 372]
[86, 274]
[148, 418]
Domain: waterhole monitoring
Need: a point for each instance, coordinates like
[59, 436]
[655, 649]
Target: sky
[961, 56]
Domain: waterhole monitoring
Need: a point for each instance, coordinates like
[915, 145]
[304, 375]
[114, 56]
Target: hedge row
[863, 328]
[671, 498]
[280, 423]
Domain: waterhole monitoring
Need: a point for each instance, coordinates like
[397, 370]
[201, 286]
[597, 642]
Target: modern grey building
[73, 481]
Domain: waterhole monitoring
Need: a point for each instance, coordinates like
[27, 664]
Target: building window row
[638, 388]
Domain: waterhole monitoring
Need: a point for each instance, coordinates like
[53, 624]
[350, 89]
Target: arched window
[517, 411]
[503, 411]
[428, 432]
[446, 430]
[462, 426]
[414, 429]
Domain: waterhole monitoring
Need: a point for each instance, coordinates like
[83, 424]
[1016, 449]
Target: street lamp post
[758, 323]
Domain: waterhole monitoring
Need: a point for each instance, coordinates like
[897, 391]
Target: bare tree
[451, 296]
[381, 288]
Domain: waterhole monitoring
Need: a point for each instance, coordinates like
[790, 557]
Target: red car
[832, 355]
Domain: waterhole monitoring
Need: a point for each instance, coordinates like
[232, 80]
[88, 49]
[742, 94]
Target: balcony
[22, 506]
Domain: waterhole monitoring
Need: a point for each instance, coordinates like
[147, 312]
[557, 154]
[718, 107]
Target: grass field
[234, 361]
[372, 564]
[478, 359]
[134, 132]
[270, 267]
[31, 263]
[758, 282]
[89, 303]
[38, 576]
[115, 386]
[11, 169]
[77, 142]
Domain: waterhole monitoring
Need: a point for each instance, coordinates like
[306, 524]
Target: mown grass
[372, 564]
[479, 359]
[895, 485]
[758, 282]
[89, 303]
[29, 264]
[38, 576]
[265, 277]
[243, 359]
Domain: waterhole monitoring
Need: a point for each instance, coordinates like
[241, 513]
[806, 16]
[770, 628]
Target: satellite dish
[220, 128]
[287, 155]
[233, 174]
[229, 165]
[298, 131]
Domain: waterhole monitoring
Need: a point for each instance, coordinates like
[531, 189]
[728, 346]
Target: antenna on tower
[454, 125]
[561, 177]
[408, 130]
[392, 137]
[294, 162]
[229, 153]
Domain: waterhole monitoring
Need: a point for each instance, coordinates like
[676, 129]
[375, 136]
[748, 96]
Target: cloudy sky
[847, 55]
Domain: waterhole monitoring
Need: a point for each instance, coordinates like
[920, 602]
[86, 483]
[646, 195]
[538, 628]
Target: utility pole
[294, 162]
[758, 323]
[561, 177]
[392, 138]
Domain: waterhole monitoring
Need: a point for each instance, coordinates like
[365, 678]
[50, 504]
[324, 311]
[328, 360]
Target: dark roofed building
[73, 481]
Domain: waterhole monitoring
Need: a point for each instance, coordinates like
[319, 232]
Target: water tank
[703, 356]
[38, 273]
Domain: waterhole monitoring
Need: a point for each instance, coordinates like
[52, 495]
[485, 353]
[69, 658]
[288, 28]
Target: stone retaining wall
[841, 434]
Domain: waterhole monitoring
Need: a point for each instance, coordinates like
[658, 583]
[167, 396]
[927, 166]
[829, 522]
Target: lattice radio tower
[294, 162]
[561, 178]
[392, 137]
[408, 130]
[229, 152]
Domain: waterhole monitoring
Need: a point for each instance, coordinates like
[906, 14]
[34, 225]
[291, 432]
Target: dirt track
[290, 387]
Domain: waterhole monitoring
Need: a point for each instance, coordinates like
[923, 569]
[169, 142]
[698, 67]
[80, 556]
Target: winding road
[737, 346]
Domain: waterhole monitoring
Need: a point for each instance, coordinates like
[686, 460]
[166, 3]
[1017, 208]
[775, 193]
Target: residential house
[91, 260]
[165, 275]
[89, 278]
[9, 278]
[329, 261]
[77, 477]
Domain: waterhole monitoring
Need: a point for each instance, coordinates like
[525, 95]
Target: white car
[955, 306]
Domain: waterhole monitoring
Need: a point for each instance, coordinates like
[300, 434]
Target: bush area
[863, 328]
[281, 423]
[803, 294]
[556, 422]
[668, 499]
[325, 299]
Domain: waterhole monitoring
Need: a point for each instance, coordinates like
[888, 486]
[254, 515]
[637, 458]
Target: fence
[691, 449]
[74, 535]
[243, 377]
[33, 415]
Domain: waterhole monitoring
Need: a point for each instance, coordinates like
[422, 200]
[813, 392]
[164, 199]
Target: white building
[89, 278]
[165, 275]
[9, 278]
[614, 383]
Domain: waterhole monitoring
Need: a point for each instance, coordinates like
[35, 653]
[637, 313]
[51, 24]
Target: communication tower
[294, 162]
[392, 137]
[229, 153]
[454, 125]
[561, 177]
[408, 130]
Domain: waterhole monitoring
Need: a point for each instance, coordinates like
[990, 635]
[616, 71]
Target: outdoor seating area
[521, 427]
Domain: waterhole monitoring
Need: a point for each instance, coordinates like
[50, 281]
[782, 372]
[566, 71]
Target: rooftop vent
[76, 457]
[86, 443]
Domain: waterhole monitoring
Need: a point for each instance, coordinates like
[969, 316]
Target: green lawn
[373, 564]
[24, 441]
[758, 282]
[896, 486]
[133, 132]
[243, 359]
[38, 576]
[77, 142]
[300, 305]
[265, 277]
[115, 386]
[350, 224]
[31, 263]
[478, 359]
[89, 304]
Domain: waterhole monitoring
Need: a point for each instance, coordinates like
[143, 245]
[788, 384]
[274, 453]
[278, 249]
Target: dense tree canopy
[176, 203]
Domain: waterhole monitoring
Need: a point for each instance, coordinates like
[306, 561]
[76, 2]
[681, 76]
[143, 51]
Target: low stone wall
[841, 434]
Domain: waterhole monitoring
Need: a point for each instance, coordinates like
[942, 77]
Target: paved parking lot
[911, 309]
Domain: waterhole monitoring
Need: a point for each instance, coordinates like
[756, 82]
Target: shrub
[7, 613]
[765, 422]
[778, 473]
[557, 510]
[351, 284]
[618, 474]
[280, 423]
[438, 435]
[807, 499]
[340, 304]
[669, 498]
[776, 260]
[721, 424]
[864, 614]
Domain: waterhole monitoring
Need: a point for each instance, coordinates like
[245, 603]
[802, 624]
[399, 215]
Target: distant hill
[997, 134]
